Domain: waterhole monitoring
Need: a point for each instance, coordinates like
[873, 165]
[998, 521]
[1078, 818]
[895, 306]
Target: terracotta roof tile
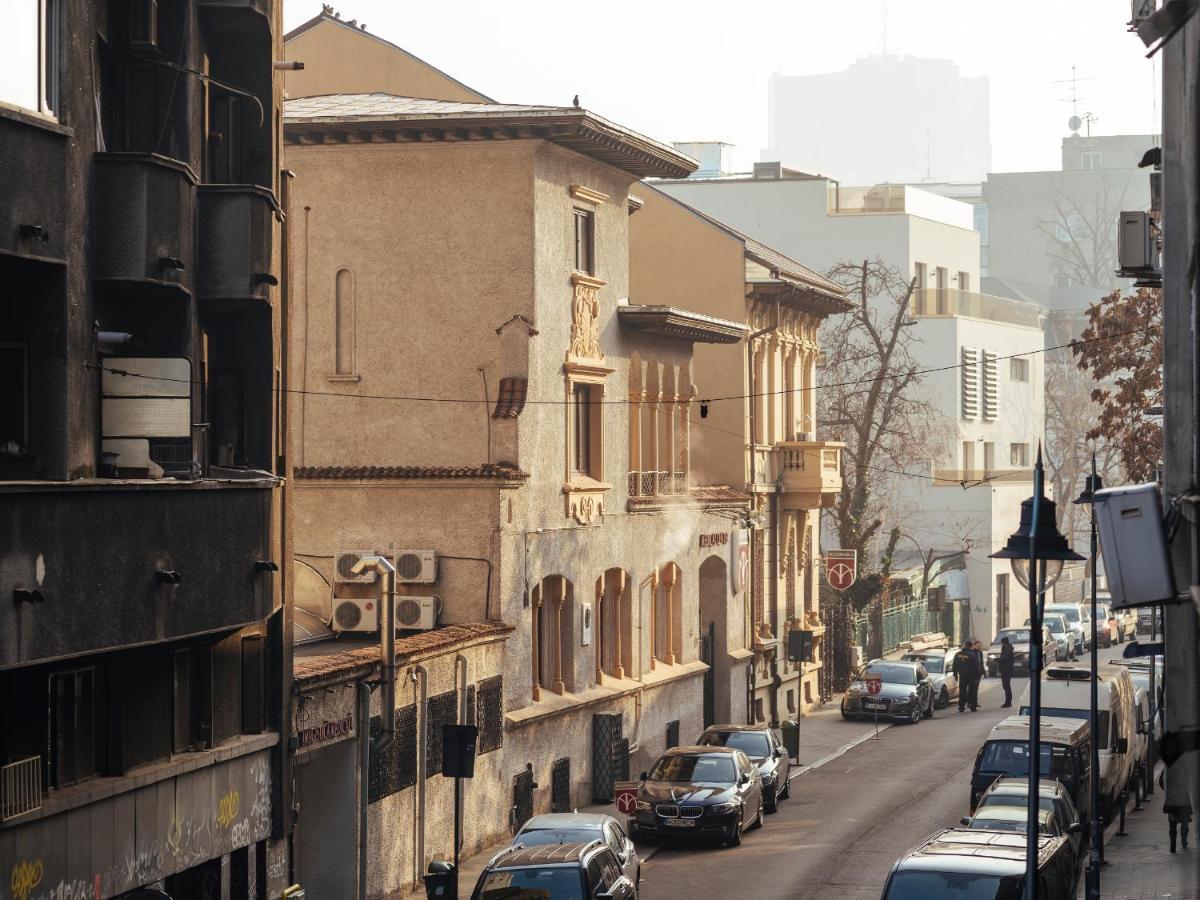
[500, 471]
[511, 400]
[328, 658]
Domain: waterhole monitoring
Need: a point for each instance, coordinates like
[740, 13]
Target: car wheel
[915, 716]
[787, 789]
[760, 818]
[943, 699]
[735, 839]
[773, 806]
[929, 709]
[846, 715]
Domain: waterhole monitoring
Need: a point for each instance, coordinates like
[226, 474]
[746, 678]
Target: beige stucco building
[760, 429]
[477, 379]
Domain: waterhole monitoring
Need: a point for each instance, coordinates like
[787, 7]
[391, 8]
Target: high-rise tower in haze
[933, 121]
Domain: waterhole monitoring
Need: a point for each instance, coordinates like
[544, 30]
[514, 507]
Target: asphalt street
[847, 820]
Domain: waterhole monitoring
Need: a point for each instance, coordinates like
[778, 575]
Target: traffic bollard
[1124, 800]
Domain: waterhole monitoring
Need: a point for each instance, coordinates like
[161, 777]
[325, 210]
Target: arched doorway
[714, 640]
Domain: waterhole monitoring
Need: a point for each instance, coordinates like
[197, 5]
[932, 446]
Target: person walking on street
[1179, 817]
[1006, 669]
[965, 671]
[980, 671]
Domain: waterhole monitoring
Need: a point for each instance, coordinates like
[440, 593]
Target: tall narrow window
[989, 457]
[73, 725]
[184, 717]
[943, 300]
[344, 323]
[581, 460]
[964, 281]
[1001, 601]
[968, 454]
[585, 241]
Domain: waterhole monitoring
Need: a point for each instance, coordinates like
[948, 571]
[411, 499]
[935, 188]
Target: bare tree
[958, 538]
[870, 398]
[1081, 238]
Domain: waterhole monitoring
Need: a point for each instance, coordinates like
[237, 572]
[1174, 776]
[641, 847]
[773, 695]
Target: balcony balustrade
[20, 787]
[234, 222]
[143, 219]
[658, 484]
[34, 188]
[810, 472]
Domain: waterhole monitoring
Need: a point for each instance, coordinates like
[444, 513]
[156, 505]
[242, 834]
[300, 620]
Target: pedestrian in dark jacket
[980, 672]
[1006, 669]
[1179, 817]
[966, 672]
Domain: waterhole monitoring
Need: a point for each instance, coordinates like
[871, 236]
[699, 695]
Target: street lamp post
[1096, 852]
[1036, 552]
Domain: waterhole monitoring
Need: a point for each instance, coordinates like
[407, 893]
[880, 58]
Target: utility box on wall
[1134, 545]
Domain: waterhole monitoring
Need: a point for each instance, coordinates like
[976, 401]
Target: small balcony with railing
[658, 484]
[809, 472]
[944, 303]
[20, 787]
[235, 225]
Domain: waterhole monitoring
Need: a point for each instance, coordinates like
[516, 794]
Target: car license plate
[680, 823]
[875, 704]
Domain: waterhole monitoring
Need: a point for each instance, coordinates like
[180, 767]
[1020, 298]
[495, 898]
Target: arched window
[668, 615]
[343, 323]
[552, 646]
[614, 624]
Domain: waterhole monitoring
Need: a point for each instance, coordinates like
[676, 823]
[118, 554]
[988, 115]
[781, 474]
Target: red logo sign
[874, 686]
[841, 568]
[625, 795]
[740, 561]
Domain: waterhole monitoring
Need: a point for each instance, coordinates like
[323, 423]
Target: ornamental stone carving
[585, 320]
[586, 508]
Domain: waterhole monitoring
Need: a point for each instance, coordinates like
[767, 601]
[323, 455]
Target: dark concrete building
[144, 637]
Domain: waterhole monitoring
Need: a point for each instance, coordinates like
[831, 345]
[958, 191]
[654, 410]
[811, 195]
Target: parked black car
[960, 863]
[710, 791]
[906, 692]
[764, 749]
[555, 872]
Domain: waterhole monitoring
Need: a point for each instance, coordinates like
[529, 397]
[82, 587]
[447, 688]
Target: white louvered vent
[970, 383]
[991, 388]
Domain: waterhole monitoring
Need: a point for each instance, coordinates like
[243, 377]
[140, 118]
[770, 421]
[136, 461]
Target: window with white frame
[1018, 455]
[1018, 369]
[29, 54]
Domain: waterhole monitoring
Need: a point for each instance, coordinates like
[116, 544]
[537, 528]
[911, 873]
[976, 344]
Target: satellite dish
[1074, 122]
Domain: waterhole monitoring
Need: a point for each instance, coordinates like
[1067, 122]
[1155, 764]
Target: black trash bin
[441, 883]
[790, 730]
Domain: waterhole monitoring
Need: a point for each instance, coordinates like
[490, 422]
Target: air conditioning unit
[416, 567]
[1136, 250]
[417, 613]
[355, 614]
[344, 568]
[143, 24]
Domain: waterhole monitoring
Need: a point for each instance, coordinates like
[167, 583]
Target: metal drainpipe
[364, 763]
[420, 676]
[387, 649]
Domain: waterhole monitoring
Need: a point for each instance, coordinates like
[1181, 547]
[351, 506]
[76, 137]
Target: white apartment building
[969, 497]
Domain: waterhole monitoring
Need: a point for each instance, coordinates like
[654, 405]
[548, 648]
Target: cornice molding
[588, 195]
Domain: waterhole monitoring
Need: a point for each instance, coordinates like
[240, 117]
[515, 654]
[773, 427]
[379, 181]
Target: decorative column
[771, 389]
[622, 587]
[670, 585]
[635, 442]
[655, 455]
[560, 686]
[598, 625]
[535, 606]
[685, 454]
[653, 619]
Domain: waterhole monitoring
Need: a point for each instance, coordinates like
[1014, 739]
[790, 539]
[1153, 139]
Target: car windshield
[690, 769]
[752, 743]
[891, 673]
[1063, 712]
[1011, 800]
[558, 882]
[576, 834]
[1014, 635]
[1070, 613]
[1054, 624]
[954, 885]
[934, 665]
[982, 824]
[1012, 758]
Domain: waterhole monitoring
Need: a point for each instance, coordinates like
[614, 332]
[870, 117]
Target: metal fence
[20, 787]
[900, 621]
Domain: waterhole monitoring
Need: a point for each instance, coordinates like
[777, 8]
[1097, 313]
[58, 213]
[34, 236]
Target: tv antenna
[1075, 122]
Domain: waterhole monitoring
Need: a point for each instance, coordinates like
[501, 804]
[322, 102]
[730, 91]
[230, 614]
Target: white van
[1066, 693]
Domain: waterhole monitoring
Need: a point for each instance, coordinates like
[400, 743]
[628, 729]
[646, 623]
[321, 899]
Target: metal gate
[522, 805]
[708, 641]
[606, 746]
[836, 615]
[560, 785]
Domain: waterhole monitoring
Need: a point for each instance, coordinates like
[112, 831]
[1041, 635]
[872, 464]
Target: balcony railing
[234, 224]
[658, 484]
[810, 472]
[945, 302]
[20, 787]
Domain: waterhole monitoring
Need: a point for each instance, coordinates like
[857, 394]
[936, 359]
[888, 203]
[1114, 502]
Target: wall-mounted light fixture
[168, 576]
[22, 595]
[264, 278]
[35, 232]
[265, 565]
[171, 262]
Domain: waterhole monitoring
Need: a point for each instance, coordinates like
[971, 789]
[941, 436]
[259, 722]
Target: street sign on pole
[625, 796]
[841, 568]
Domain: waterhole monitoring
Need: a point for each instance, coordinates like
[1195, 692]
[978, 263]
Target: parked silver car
[572, 828]
[1064, 639]
[1019, 638]
[937, 662]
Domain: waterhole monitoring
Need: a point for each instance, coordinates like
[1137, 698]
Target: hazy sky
[698, 71]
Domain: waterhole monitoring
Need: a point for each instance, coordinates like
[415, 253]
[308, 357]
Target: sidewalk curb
[845, 748]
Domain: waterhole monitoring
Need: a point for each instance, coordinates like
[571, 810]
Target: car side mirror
[745, 778]
[779, 752]
[1075, 828]
[642, 777]
[965, 821]
[1121, 745]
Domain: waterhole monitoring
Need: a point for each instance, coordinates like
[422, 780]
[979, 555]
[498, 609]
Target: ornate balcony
[658, 484]
[143, 219]
[234, 242]
[809, 471]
